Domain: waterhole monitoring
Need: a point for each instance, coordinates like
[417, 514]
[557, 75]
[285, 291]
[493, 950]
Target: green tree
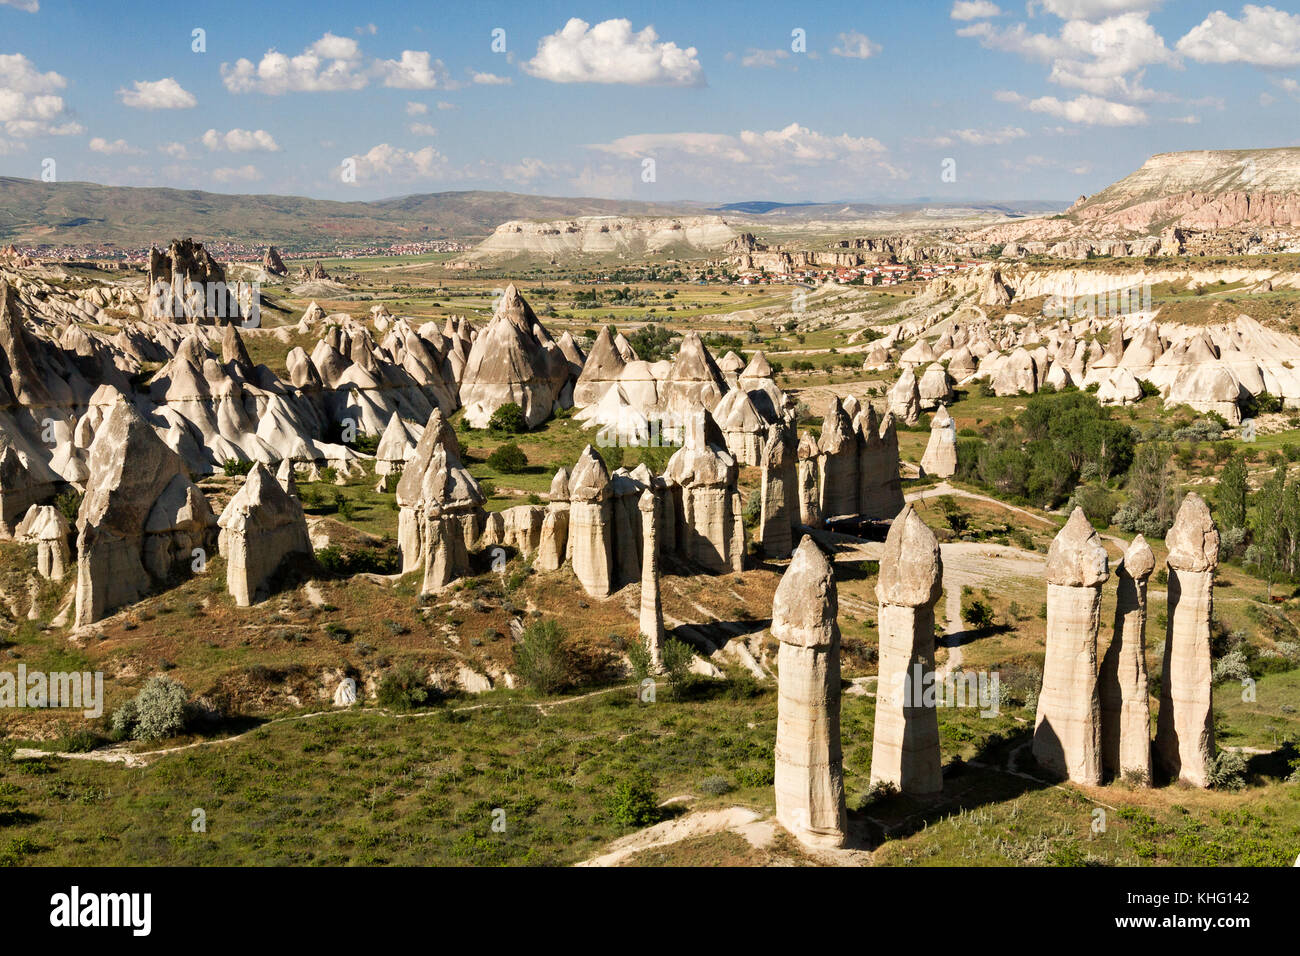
[1230, 495]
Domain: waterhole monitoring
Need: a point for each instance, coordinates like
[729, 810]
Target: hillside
[1202, 190]
[33, 212]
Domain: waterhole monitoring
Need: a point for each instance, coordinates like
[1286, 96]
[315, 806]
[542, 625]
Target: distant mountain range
[70, 214]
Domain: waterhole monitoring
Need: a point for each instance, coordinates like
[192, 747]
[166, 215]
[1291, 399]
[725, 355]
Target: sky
[664, 101]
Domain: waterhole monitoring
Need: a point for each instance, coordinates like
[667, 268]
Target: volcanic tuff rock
[1184, 746]
[140, 520]
[1123, 689]
[513, 360]
[940, 458]
[261, 527]
[905, 745]
[1067, 731]
[809, 772]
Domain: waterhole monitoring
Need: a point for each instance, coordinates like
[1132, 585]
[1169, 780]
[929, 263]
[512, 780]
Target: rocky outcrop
[590, 521]
[1067, 730]
[272, 262]
[1184, 747]
[701, 477]
[1122, 684]
[45, 527]
[905, 399]
[140, 520]
[880, 489]
[808, 475]
[837, 451]
[513, 360]
[187, 285]
[905, 745]
[940, 458]
[652, 614]
[262, 527]
[778, 493]
[809, 773]
[554, 542]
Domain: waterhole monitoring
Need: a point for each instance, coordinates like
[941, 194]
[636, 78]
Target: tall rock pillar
[1185, 727]
[1124, 692]
[652, 614]
[809, 772]
[905, 747]
[1067, 732]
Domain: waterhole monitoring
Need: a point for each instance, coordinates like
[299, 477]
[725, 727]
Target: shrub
[1228, 771]
[714, 786]
[160, 710]
[508, 419]
[1232, 666]
[638, 656]
[540, 658]
[402, 689]
[234, 468]
[677, 663]
[342, 506]
[978, 615]
[1098, 504]
[69, 504]
[508, 459]
[633, 802]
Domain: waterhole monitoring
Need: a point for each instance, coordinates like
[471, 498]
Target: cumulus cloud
[241, 141]
[117, 147]
[30, 6]
[415, 70]
[29, 102]
[990, 137]
[422, 129]
[236, 174]
[174, 150]
[1086, 110]
[1264, 36]
[164, 94]
[763, 59]
[416, 109]
[489, 79]
[855, 46]
[331, 63]
[610, 52]
[444, 105]
[974, 10]
[393, 163]
[792, 146]
[1096, 9]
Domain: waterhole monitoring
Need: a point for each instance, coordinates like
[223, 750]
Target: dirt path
[943, 488]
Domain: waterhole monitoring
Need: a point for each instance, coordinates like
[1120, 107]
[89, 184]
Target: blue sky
[1043, 100]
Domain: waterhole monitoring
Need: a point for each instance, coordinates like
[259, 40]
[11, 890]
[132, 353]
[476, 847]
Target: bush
[235, 468]
[1228, 771]
[160, 710]
[714, 786]
[1098, 504]
[638, 656]
[508, 459]
[69, 504]
[402, 689]
[978, 615]
[677, 663]
[1232, 666]
[633, 802]
[540, 658]
[508, 419]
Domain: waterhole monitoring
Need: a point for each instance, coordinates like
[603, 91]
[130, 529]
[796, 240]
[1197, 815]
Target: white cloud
[855, 46]
[489, 79]
[118, 147]
[610, 52]
[1087, 110]
[1264, 36]
[391, 162]
[763, 59]
[174, 150]
[422, 129]
[241, 141]
[990, 137]
[1185, 120]
[164, 94]
[331, 63]
[1034, 162]
[236, 174]
[416, 109]
[974, 10]
[29, 102]
[1096, 9]
[444, 105]
[794, 145]
[416, 70]
[29, 6]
